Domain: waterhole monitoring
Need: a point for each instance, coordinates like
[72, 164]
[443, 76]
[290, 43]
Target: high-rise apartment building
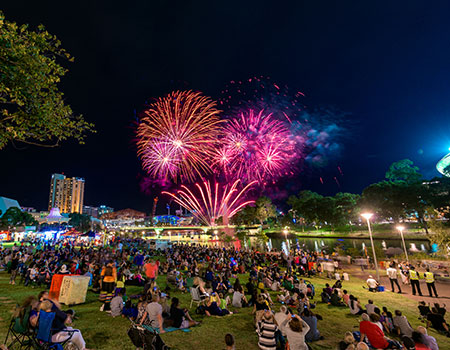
[66, 194]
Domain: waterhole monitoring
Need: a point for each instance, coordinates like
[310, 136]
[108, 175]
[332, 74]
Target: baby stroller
[146, 339]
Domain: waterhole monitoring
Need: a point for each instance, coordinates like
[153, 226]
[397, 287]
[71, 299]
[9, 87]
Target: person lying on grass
[213, 309]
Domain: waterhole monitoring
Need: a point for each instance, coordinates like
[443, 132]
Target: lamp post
[367, 216]
[401, 228]
[285, 231]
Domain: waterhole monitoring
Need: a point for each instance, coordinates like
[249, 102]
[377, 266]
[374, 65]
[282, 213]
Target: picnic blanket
[168, 329]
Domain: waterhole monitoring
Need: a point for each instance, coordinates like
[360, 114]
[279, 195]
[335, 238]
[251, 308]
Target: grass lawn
[104, 332]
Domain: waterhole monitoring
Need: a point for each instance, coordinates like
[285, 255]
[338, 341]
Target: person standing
[392, 274]
[109, 279]
[14, 268]
[429, 279]
[414, 279]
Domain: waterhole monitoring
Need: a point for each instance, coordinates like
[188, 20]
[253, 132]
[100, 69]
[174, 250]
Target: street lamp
[285, 231]
[367, 216]
[401, 228]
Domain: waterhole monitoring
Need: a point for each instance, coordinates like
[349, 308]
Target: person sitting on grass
[424, 310]
[266, 329]
[117, 304]
[355, 306]
[348, 343]
[311, 319]
[372, 284]
[229, 342]
[239, 299]
[402, 325]
[153, 314]
[375, 335]
[370, 307]
[437, 321]
[428, 340]
[296, 330]
[335, 299]
[419, 341]
[180, 317]
[212, 308]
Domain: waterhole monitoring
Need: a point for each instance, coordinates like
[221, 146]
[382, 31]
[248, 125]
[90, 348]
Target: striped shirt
[266, 331]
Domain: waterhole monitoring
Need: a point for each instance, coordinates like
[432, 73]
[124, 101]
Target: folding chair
[195, 296]
[19, 333]
[44, 333]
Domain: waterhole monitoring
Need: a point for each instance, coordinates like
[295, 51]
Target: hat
[63, 269]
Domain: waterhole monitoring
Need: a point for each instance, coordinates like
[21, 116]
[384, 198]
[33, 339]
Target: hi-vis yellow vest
[429, 277]
[413, 275]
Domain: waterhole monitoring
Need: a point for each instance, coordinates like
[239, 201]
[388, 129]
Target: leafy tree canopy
[403, 170]
[32, 108]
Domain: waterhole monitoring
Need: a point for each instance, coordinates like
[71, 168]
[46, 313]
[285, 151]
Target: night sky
[386, 64]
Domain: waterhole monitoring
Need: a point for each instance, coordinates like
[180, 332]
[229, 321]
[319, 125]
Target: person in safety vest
[414, 279]
[429, 278]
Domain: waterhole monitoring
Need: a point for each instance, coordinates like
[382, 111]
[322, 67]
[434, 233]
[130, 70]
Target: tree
[384, 198]
[264, 209]
[347, 206]
[403, 170]
[16, 217]
[32, 108]
[307, 205]
[81, 222]
[440, 233]
[246, 216]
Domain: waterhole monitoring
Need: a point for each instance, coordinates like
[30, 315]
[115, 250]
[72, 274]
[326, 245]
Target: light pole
[401, 228]
[285, 231]
[367, 216]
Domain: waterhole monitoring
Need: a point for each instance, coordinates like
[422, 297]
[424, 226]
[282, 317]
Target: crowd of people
[276, 291]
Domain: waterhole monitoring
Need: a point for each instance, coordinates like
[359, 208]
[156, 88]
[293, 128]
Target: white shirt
[370, 308]
[372, 283]
[392, 273]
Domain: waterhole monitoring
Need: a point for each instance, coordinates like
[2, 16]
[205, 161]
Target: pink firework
[256, 146]
[210, 204]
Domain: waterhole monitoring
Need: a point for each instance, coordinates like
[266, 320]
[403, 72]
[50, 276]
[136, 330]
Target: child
[117, 304]
[229, 342]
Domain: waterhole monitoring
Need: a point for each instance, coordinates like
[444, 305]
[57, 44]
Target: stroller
[144, 338]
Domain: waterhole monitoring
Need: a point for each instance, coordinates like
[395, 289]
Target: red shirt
[374, 334]
[150, 270]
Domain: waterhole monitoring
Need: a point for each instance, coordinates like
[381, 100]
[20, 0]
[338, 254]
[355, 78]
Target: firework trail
[177, 136]
[209, 204]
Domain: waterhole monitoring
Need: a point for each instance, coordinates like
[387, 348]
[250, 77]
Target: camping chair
[44, 333]
[19, 332]
[195, 297]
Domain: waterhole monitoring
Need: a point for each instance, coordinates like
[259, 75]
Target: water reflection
[328, 244]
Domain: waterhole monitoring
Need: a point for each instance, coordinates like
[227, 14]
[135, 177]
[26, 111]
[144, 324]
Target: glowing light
[177, 136]
[210, 203]
[367, 216]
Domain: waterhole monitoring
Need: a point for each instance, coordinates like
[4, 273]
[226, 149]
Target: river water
[328, 244]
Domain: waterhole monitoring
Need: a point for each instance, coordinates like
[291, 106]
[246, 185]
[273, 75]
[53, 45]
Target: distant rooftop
[6, 203]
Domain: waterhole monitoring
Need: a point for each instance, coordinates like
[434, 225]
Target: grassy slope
[103, 332]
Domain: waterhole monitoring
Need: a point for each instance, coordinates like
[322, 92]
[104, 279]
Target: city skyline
[400, 114]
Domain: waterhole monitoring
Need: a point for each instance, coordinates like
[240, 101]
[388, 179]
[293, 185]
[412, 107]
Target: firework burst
[209, 203]
[255, 146]
[177, 136]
